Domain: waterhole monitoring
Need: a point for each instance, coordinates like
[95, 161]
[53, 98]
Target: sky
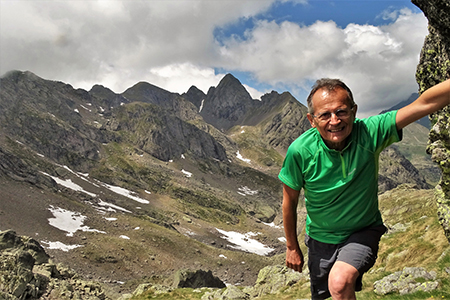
[281, 45]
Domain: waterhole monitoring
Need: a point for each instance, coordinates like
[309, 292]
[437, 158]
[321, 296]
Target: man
[336, 163]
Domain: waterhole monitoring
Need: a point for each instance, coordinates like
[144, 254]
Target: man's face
[335, 129]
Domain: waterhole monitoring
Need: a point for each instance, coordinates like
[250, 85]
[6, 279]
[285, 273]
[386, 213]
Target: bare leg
[341, 281]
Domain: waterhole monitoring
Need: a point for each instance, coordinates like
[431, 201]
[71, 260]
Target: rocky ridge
[26, 272]
[434, 67]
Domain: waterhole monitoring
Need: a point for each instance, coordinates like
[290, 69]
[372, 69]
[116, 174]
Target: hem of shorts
[322, 296]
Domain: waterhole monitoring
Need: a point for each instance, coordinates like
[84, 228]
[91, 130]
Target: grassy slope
[423, 244]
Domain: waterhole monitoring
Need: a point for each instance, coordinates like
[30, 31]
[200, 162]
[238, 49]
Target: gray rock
[273, 279]
[432, 69]
[25, 273]
[407, 281]
[230, 293]
[196, 279]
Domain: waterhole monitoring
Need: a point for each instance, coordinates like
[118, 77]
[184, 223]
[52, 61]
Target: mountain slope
[144, 172]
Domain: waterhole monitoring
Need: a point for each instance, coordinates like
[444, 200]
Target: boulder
[230, 293]
[196, 279]
[407, 281]
[434, 67]
[11, 242]
[273, 279]
[27, 273]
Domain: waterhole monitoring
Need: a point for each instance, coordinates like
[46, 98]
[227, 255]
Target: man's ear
[355, 108]
[311, 120]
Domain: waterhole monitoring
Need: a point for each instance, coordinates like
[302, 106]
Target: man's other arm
[294, 256]
[433, 99]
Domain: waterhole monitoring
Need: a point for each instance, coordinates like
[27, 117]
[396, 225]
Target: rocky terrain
[102, 192]
[434, 67]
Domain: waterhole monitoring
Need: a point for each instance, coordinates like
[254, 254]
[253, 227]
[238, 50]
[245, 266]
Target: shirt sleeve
[383, 131]
[291, 172]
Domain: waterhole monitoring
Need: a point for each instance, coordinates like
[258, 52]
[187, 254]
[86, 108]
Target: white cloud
[284, 52]
[378, 63]
[172, 44]
[180, 77]
[115, 43]
[254, 93]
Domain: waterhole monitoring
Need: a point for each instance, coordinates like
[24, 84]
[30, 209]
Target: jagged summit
[226, 105]
[147, 92]
[196, 96]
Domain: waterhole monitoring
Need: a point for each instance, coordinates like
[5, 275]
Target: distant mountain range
[177, 167]
[425, 121]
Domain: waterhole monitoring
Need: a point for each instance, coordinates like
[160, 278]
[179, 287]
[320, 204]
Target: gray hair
[330, 85]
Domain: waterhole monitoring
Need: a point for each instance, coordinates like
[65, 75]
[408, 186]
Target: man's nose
[334, 119]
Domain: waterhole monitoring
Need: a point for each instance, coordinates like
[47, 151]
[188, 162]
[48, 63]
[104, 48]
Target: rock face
[271, 280]
[281, 117]
[27, 273]
[196, 279]
[434, 67]
[400, 171]
[407, 281]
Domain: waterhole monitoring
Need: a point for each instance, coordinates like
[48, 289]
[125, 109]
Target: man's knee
[342, 278]
[338, 283]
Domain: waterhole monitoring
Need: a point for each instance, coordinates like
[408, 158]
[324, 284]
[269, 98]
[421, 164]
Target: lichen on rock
[407, 281]
[434, 67]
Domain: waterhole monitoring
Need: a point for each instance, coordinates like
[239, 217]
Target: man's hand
[294, 260]
[294, 256]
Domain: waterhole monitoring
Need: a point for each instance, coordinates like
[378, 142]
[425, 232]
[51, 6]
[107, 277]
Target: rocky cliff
[434, 67]
[26, 272]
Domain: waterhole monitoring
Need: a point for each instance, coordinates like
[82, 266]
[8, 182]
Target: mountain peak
[16, 75]
[227, 104]
[229, 82]
[229, 78]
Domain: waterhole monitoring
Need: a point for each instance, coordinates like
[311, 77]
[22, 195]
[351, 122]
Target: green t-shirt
[341, 187]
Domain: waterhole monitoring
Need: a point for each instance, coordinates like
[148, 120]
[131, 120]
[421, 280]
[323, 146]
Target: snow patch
[86, 108]
[271, 225]
[60, 246]
[188, 174]
[201, 106]
[239, 156]
[244, 242]
[112, 207]
[245, 190]
[68, 183]
[69, 221]
[124, 192]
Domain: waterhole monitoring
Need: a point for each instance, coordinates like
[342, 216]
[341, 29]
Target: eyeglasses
[341, 114]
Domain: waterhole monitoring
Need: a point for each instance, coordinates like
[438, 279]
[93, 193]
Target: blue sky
[281, 45]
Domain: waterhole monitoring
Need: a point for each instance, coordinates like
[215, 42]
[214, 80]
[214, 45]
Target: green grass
[422, 244]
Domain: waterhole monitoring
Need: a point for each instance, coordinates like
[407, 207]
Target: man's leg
[356, 256]
[341, 281]
[321, 258]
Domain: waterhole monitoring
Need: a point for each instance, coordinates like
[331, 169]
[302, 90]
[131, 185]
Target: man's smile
[336, 130]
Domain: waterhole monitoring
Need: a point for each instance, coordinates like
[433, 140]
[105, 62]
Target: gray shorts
[360, 250]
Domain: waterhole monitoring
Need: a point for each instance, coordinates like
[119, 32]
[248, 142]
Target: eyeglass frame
[336, 112]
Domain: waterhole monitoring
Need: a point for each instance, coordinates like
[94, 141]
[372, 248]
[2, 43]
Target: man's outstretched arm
[433, 99]
[294, 256]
